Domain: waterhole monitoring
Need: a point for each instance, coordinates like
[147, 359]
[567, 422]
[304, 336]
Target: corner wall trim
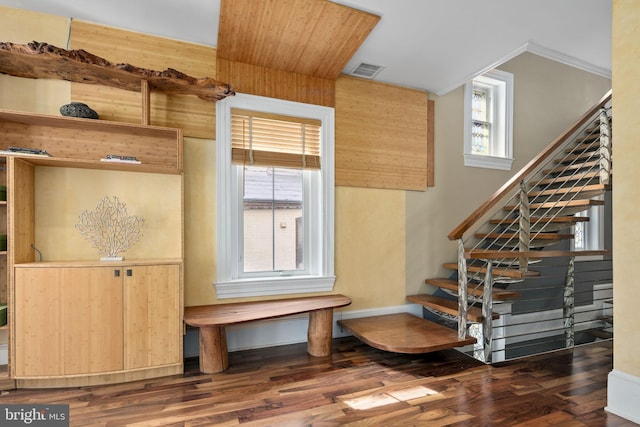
[623, 395]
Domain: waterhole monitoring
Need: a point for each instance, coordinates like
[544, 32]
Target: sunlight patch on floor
[388, 398]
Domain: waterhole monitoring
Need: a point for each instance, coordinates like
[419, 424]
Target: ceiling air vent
[368, 71]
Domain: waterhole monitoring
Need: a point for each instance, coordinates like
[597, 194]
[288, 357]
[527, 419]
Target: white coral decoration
[108, 227]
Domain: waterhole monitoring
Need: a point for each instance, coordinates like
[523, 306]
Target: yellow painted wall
[63, 193]
[369, 252]
[199, 221]
[626, 215]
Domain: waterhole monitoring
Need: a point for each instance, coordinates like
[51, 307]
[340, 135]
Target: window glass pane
[479, 105]
[480, 131]
[272, 217]
[480, 138]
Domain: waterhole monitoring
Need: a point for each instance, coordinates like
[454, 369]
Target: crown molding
[535, 49]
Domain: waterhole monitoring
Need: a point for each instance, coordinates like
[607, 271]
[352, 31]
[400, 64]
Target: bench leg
[320, 332]
[213, 349]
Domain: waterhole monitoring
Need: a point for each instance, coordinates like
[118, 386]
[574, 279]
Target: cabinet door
[67, 321]
[152, 321]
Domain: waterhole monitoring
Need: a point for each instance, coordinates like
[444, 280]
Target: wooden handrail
[465, 225]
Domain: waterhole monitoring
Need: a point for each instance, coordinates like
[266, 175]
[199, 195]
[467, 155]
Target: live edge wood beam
[41, 60]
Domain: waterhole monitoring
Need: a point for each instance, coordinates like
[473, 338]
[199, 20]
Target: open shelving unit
[80, 143]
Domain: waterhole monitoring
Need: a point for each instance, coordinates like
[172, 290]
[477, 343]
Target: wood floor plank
[356, 385]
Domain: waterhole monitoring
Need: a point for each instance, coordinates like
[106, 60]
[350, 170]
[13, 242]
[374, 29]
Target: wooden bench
[211, 319]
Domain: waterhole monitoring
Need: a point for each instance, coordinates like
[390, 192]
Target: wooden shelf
[81, 143]
[97, 164]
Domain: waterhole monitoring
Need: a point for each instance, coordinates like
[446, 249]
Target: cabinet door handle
[116, 273]
[129, 272]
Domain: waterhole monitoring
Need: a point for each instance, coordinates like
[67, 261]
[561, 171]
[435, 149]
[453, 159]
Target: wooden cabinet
[91, 319]
[151, 306]
[76, 322]
[68, 321]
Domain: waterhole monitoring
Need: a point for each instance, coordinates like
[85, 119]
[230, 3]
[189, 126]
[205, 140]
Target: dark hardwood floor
[357, 386]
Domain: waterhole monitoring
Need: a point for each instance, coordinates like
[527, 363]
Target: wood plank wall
[195, 116]
[382, 136]
[255, 80]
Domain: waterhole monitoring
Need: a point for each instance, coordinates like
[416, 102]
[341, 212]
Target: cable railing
[525, 217]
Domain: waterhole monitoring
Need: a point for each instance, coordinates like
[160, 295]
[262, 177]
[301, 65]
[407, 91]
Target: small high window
[488, 121]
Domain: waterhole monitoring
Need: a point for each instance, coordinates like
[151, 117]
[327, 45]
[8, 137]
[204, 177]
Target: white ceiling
[435, 45]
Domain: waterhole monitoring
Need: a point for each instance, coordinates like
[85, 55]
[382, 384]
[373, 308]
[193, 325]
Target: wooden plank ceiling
[311, 37]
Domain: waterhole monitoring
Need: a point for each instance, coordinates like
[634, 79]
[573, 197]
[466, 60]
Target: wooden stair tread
[552, 237]
[559, 204]
[493, 254]
[576, 166]
[587, 143]
[590, 140]
[497, 272]
[452, 285]
[594, 188]
[534, 220]
[579, 157]
[567, 178]
[448, 306]
[404, 333]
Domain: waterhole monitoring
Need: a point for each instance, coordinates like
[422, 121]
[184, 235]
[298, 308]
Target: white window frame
[320, 277]
[500, 85]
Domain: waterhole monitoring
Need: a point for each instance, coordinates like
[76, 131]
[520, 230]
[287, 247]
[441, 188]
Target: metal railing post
[487, 313]
[462, 291]
[524, 226]
[568, 309]
[605, 147]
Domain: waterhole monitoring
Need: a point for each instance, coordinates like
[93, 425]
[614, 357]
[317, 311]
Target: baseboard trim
[623, 395]
[286, 330]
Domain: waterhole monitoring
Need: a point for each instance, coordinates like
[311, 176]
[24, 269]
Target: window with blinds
[260, 139]
[275, 192]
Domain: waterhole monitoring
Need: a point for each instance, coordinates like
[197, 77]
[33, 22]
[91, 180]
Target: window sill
[273, 286]
[488, 162]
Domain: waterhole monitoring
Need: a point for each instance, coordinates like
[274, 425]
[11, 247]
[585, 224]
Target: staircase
[515, 255]
[527, 223]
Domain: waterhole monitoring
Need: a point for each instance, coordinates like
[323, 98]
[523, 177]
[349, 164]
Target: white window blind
[263, 139]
